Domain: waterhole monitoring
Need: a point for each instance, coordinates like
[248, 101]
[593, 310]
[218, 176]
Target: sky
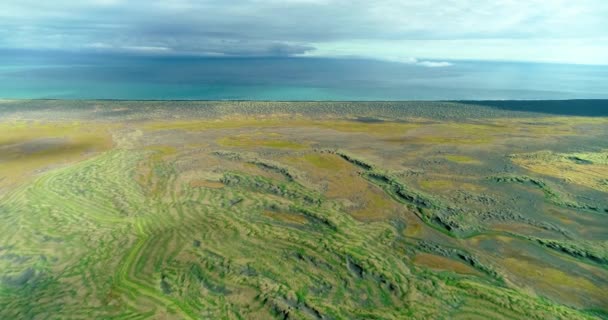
[430, 33]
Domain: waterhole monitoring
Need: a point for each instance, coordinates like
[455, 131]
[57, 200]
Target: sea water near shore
[78, 76]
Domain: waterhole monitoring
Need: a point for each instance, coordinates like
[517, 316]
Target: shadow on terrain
[49, 148]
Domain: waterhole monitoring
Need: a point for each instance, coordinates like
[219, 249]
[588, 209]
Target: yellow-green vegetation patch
[520, 228]
[325, 161]
[379, 128]
[291, 216]
[27, 147]
[457, 133]
[246, 141]
[286, 217]
[442, 263]
[341, 181]
[463, 140]
[437, 184]
[375, 205]
[531, 268]
[231, 122]
[277, 121]
[163, 150]
[549, 281]
[420, 139]
[444, 184]
[462, 159]
[200, 183]
[587, 169]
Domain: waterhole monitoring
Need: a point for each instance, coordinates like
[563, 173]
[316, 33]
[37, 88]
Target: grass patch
[585, 169]
[27, 148]
[324, 161]
[244, 141]
[442, 263]
[462, 159]
[140, 229]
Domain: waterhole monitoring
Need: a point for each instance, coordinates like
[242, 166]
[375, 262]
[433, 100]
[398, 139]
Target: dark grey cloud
[291, 27]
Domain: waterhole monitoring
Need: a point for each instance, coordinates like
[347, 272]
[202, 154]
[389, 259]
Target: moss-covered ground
[119, 210]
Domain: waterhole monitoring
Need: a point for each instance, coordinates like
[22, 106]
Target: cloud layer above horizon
[396, 30]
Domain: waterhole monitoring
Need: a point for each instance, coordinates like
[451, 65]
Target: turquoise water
[73, 76]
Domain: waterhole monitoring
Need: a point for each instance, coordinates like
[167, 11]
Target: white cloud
[401, 59]
[149, 49]
[98, 45]
[434, 64]
[577, 51]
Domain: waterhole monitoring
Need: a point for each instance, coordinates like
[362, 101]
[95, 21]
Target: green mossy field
[287, 210]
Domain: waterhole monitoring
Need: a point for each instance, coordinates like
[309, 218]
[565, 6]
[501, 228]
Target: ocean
[38, 75]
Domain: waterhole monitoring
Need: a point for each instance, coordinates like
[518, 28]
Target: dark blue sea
[56, 75]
